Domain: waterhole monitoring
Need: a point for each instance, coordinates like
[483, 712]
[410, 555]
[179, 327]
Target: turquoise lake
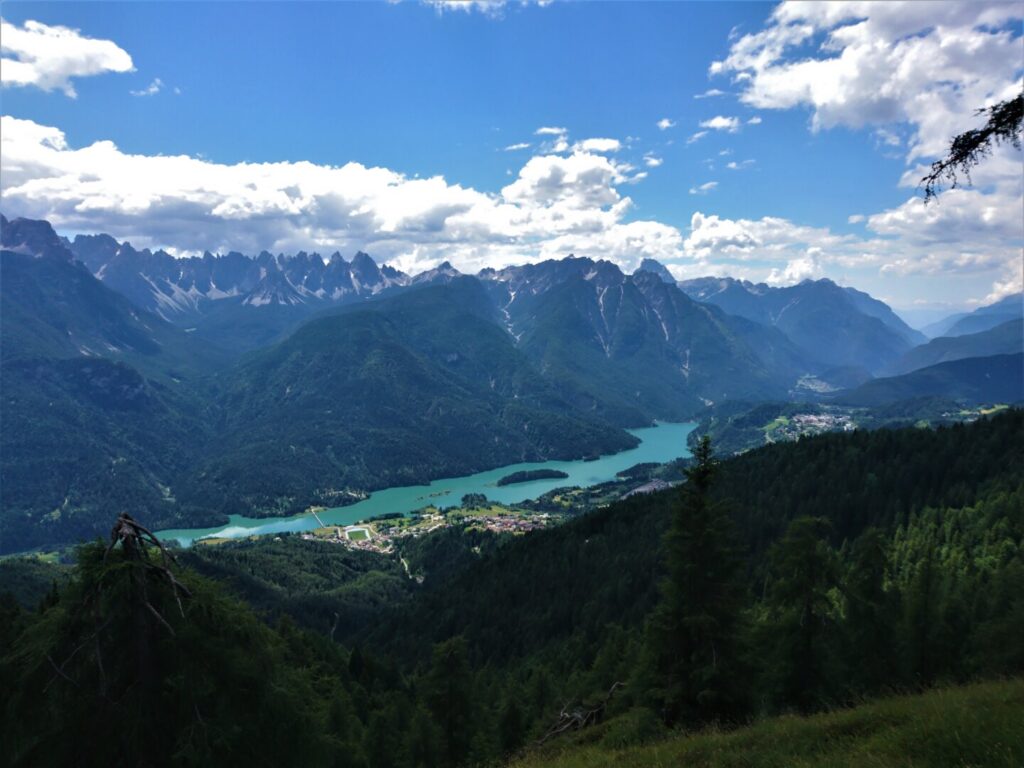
[660, 443]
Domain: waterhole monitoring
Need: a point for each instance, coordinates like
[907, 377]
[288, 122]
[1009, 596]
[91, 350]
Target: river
[660, 443]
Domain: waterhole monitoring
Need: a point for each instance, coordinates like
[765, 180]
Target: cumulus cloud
[556, 202]
[150, 90]
[755, 120]
[929, 65]
[551, 131]
[517, 147]
[914, 74]
[49, 57]
[652, 161]
[796, 270]
[664, 124]
[734, 166]
[722, 123]
[965, 239]
[708, 94]
[1010, 284]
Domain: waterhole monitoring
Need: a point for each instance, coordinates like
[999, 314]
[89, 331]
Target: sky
[767, 142]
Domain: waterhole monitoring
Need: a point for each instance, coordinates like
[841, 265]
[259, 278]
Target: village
[381, 535]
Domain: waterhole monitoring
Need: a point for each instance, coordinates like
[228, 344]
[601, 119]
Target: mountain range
[196, 387]
[982, 319]
[838, 326]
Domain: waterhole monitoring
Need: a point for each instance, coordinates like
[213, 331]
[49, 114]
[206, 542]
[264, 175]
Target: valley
[659, 444]
[354, 378]
[512, 384]
[389, 487]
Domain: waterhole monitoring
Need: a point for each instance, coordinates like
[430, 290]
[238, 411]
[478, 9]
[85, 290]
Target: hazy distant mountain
[993, 379]
[981, 319]
[1005, 339]
[652, 265]
[835, 325]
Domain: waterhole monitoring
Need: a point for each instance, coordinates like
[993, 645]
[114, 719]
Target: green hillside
[397, 394]
[976, 725]
[993, 379]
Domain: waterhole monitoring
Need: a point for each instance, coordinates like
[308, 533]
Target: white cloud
[704, 188]
[709, 94]
[517, 147]
[696, 137]
[914, 74]
[49, 57]
[598, 145]
[551, 131]
[652, 161]
[929, 65]
[150, 90]
[968, 238]
[555, 202]
[1011, 283]
[734, 166]
[664, 124]
[755, 120]
[796, 270]
[722, 123]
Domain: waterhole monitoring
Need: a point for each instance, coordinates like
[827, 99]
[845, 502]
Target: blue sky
[422, 91]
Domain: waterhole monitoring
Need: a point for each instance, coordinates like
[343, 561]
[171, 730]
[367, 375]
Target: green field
[359, 534]
[978, 725]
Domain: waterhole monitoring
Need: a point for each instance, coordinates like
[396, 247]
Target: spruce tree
[801, 603]
[691, 642]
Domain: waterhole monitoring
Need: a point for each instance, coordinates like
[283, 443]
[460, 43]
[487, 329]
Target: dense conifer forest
[795, 578]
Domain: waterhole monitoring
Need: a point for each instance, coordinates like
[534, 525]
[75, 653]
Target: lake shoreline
[660, 443]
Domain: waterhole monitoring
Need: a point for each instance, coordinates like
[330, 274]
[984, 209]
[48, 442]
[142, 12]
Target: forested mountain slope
[635, 347]
[993, 379]
[420, 387]
[866, 561]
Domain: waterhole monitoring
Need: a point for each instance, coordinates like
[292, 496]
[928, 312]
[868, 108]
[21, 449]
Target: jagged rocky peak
[182, 287]
[32, 237]
[442, 273]
[656, 267]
